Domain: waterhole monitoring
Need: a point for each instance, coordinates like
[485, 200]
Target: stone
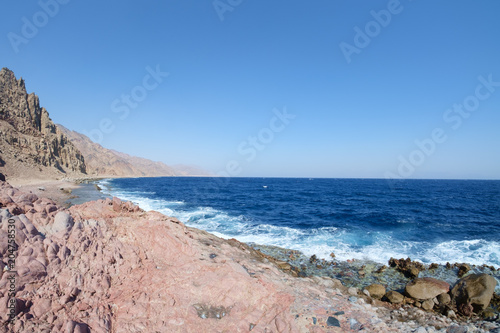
[376, 291]
[62, 221]
[476, 290]
[426, 288]
[413, 272]
[352, 291]
[457, 329]
[409, 268]
[394, 297]
[332, 321]
[428, 305]
[463, 269]
[451, 314]
[444, 299]
[489, 314]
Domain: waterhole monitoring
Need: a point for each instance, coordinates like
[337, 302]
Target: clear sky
[271, 88]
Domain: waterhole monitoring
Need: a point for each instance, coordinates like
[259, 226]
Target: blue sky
[281, 88]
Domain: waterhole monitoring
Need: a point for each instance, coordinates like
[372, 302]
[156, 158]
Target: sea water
[432, 221]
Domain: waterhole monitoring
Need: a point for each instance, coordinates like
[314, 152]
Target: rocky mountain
[31, 145]
[104, 162]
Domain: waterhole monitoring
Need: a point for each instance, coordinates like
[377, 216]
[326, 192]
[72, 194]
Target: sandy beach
[65, 192]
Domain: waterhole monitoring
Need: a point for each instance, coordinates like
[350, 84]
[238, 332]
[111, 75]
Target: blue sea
[432, 221]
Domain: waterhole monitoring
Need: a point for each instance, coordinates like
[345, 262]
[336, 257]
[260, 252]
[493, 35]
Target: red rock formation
[108, 266]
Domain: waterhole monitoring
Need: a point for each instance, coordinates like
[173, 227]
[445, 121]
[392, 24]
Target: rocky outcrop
[108, 266]
[102, 162]
[30, 143]
[409, 268]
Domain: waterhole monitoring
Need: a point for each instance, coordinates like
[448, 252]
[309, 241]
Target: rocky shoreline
[391, 281]
[108, 266]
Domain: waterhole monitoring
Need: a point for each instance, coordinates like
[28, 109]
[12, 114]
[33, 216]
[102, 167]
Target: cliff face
[31, 145]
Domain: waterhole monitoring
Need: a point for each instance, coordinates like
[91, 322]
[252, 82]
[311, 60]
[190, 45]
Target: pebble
[355, 325]
[352, 291]
[332, 321]
[457, 329]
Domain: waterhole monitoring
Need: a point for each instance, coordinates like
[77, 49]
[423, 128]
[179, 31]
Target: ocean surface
[433, 221]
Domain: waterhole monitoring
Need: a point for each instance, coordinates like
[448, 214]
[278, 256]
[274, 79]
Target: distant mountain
[103, 162]
[31, 146]
[189, 170]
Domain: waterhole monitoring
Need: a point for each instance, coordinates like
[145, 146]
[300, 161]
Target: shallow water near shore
[85, 192]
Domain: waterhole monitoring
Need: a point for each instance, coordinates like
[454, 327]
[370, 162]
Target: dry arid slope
[103, 162]
[30, 143]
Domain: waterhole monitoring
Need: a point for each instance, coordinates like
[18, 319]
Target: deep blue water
[427, 220]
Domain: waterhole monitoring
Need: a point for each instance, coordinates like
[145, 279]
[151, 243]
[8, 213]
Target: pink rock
[27, 197]
[5, 199]
[50, 208]
[117, 268]
[41, 306]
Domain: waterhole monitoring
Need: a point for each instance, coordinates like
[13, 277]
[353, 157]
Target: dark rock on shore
[409, 268]
[474, 292]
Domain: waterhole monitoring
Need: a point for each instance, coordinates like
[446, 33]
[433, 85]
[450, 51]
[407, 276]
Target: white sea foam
[361, 245]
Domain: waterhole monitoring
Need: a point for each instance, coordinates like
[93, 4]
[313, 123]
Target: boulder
[376, 291]
[394, 297]
[62, 221]
[426, 288]
[475, 290]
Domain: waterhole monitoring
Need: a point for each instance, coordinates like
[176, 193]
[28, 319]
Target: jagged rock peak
[29, 140]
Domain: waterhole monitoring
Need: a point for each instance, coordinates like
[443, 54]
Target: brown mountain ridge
[33, 147]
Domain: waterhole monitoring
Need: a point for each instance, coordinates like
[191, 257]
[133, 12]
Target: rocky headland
[34, 149]
[108, 266]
